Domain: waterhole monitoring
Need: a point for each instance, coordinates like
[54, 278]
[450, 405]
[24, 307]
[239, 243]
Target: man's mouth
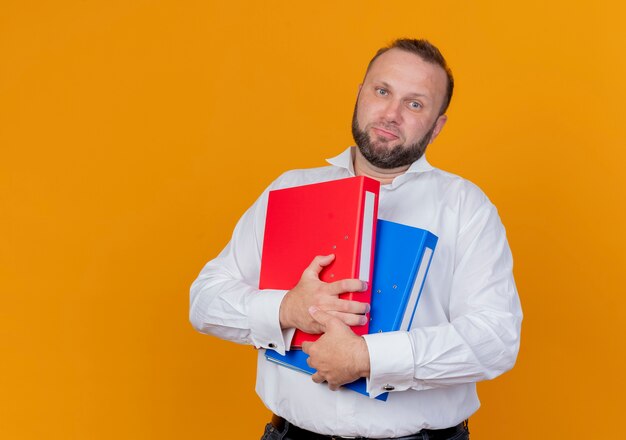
[385, 134]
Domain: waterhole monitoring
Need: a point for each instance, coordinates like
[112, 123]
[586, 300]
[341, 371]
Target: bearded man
[468, 325]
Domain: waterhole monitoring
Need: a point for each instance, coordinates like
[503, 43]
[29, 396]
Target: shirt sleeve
[481, 339]
[225, 300]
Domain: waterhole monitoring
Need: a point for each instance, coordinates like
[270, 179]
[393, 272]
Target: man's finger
[349, 306]
[317, 378]
[333, 387]
[308, 362]
[348, 285]
[305, 346]
[323, 318]
[319, 263]
[350, 318]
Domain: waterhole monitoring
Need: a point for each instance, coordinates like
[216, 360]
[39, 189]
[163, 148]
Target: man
[469, 316]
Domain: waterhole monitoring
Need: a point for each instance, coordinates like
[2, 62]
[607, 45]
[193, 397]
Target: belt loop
[280, 424]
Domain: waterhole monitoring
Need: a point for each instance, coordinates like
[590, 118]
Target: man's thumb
[320, 316]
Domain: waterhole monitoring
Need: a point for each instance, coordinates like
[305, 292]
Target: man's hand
[310, 291]
[339, 356]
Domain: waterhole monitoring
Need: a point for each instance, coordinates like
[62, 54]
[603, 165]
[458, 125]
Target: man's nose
[393, 111]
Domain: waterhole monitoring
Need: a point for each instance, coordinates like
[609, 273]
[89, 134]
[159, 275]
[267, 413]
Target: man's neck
[363, 168]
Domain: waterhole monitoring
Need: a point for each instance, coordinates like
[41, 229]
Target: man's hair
[427, 52]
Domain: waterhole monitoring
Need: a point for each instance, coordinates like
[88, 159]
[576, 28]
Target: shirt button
[272, 345]
[388, 387]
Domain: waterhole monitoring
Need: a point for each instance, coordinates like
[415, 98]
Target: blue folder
[401, 263]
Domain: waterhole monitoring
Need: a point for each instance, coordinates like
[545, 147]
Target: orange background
[133, 134]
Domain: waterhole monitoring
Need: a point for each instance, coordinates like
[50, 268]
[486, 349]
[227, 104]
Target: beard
[380, 156]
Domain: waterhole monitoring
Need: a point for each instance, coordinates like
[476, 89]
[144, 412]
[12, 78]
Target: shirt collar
[346, 161]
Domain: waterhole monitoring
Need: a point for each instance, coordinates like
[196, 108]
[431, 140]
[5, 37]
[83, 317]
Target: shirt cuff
[391, 362]
[264, 318]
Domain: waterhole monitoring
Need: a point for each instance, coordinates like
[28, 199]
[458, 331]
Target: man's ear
[441, 121]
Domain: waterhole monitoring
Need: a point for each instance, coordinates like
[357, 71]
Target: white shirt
[468, 320]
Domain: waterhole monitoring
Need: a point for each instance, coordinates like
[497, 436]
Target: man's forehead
[408, 65]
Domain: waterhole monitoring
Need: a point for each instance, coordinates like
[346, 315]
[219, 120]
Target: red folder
[336, 217]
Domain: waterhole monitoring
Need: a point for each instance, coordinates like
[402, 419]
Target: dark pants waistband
[296, 433]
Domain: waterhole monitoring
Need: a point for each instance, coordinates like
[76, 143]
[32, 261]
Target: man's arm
[225, 300]
[480, 341]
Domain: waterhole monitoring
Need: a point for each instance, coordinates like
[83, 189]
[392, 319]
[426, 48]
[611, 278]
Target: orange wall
[133, 134]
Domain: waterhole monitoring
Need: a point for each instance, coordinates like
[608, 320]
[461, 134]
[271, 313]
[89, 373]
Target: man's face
[397, 111]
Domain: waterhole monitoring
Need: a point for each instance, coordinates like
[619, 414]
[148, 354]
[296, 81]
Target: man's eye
[415, 105]
[381, 92]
